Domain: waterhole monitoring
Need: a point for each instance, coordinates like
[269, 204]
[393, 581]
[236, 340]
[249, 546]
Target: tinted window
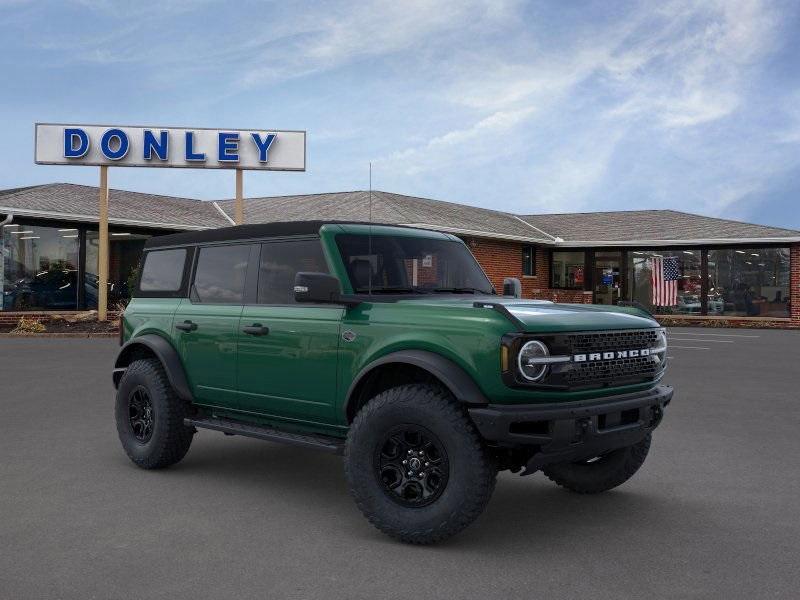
[280, 262]
[163, 271]
[220, 274]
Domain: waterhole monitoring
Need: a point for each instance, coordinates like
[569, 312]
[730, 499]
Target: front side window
[383, 264]
[162, 271]
[280, 262]
[220, 274]
[568, 270]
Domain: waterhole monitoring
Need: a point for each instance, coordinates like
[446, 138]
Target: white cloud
[334, 36]
[469, 146]
[671, 70]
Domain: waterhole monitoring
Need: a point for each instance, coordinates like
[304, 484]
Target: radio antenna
[369, 252]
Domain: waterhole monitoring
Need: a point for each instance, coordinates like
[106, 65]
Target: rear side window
[163, 270]
[220, 274]
[280, 262]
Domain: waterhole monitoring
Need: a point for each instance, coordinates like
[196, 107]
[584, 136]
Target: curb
[58, 335]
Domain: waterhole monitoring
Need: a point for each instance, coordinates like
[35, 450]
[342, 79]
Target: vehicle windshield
[410, 265]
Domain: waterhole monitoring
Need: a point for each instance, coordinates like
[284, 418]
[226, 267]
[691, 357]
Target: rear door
[288, 352]
[207, 323]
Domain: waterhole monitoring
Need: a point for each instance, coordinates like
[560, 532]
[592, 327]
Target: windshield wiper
[460, 290]
[389, 290]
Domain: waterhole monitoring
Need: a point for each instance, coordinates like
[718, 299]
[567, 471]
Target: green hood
[543, 316]
[539, 316]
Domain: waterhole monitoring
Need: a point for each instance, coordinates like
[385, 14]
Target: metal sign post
[102, 255]
[176, 147]
[239, 210]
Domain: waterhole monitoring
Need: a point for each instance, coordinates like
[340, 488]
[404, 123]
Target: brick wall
[501, 259]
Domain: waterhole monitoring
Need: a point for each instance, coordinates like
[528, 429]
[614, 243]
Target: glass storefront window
[746, 282]
[607, 280]
[39, 268]
[666, 281]
[125, 250]
[568, 270]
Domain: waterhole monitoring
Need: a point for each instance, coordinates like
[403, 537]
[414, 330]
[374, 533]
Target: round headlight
[528, 360]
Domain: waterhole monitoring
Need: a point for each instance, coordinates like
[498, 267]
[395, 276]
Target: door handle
[186, 326]
[256, 329]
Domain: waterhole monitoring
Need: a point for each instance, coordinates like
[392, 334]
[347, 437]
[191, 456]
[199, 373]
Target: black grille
[587, 373]
[612, 340]
[612, 371]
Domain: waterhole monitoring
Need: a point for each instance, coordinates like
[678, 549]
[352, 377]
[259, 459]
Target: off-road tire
[471, 473]
[607, 472]
[170, 438]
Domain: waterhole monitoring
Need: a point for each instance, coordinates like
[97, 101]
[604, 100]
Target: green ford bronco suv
[390, 346]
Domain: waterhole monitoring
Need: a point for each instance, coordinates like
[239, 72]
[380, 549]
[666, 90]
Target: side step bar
[262, 432]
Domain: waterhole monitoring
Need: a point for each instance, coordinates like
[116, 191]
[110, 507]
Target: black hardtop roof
[248, 232]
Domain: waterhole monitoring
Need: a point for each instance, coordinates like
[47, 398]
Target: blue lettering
[228, 142]
[263, 145]
[190, 153]
[122, 144]
[70, 137]
[159, 146]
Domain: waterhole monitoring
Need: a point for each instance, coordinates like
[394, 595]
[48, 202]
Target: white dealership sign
[191, 148]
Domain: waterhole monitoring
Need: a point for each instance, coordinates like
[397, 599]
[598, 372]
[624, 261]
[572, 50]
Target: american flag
[665, 280]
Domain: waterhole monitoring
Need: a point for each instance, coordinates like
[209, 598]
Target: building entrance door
[607, 277]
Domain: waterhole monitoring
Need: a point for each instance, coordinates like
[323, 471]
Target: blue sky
[521, 106]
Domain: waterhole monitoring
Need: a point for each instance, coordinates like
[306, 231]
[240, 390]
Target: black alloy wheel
[140, 414]
[411, 465]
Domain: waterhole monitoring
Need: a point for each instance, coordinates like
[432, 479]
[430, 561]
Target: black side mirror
[512, 287]
[319, 288]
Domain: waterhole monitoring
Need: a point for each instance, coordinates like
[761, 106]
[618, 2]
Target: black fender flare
[165, 353]
[458, 381]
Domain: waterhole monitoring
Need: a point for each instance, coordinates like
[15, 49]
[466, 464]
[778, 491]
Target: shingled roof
[65, 201]
[390, 208]
[72, 202]
[666, 227]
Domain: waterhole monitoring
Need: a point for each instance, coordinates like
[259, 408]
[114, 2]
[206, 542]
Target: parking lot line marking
[736, 335]
[689, 347]
[701, 340]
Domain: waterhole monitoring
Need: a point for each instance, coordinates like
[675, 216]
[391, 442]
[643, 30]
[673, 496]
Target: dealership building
[717, 271]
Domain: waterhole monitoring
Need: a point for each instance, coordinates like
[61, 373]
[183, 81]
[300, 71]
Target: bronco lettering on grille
[596, 356]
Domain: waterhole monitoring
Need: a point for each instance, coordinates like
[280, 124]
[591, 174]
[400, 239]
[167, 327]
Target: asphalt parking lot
[714, 512]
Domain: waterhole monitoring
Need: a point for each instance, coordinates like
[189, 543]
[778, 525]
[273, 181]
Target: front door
[207, 323]
[607, 277]
[287, 352]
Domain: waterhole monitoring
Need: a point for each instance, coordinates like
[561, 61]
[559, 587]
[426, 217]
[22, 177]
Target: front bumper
[562, 432]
